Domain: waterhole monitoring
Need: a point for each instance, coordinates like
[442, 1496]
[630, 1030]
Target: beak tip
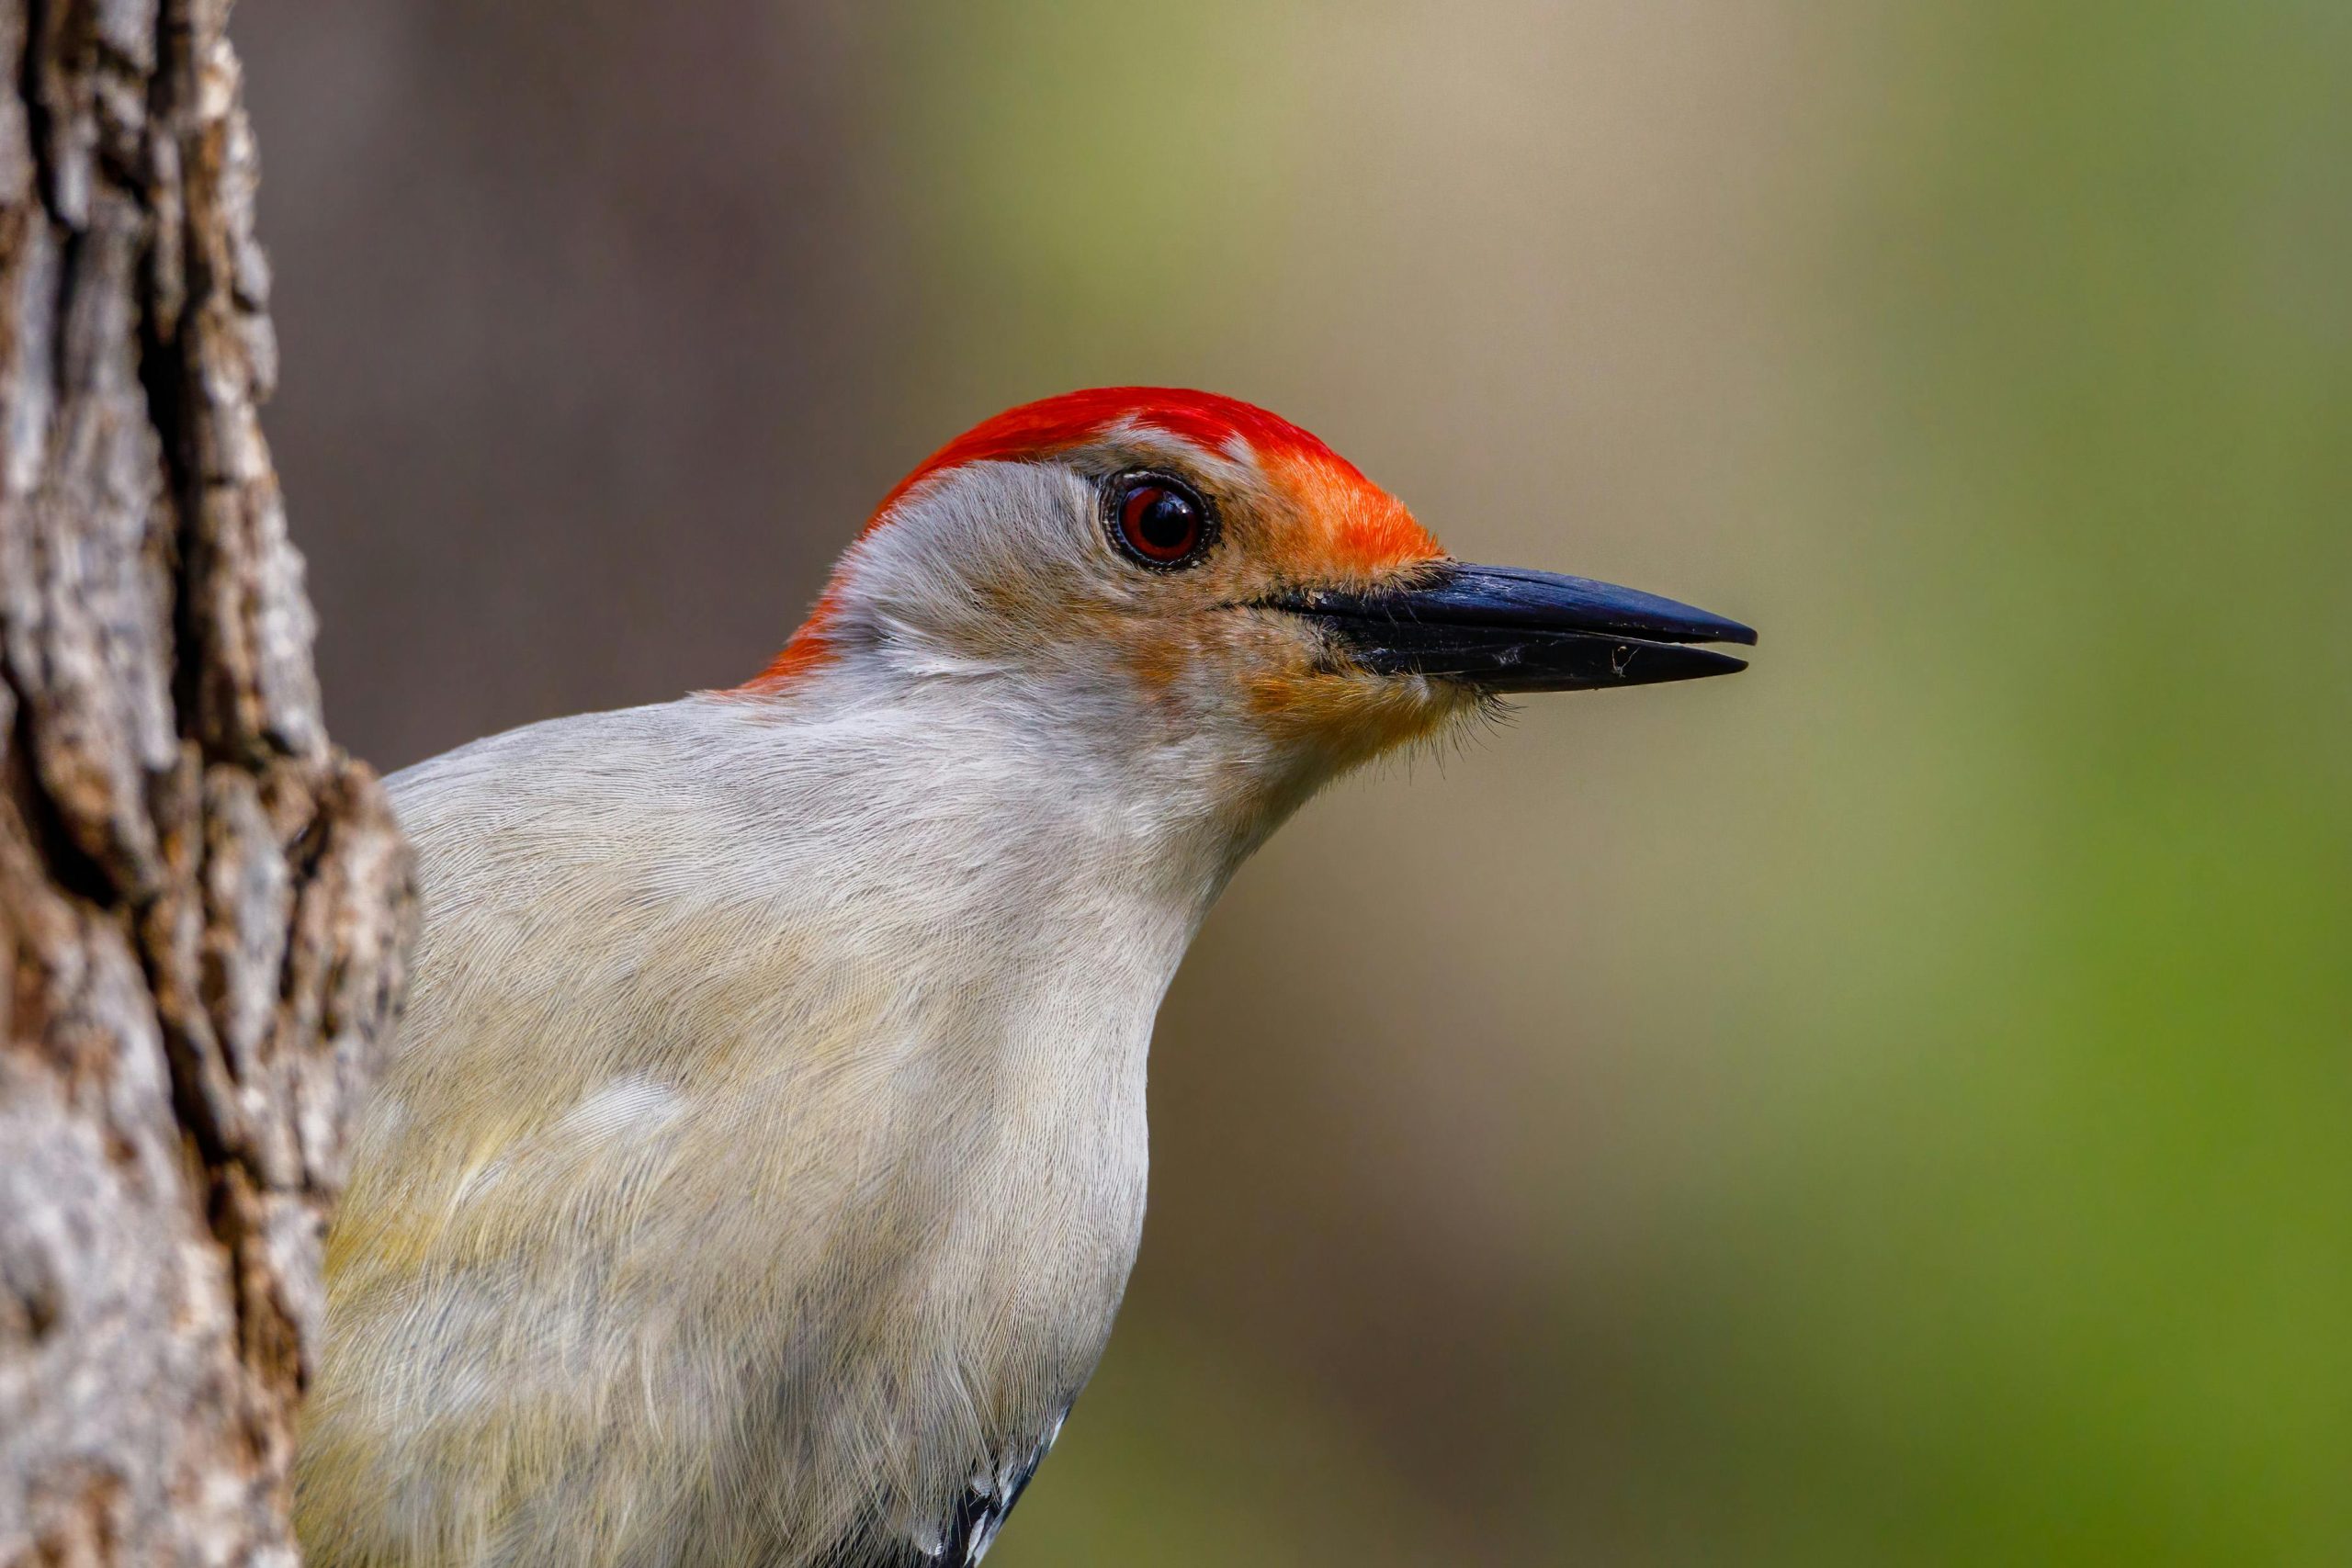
[1690, 624]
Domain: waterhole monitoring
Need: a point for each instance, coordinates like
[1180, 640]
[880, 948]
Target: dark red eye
[1160, 522]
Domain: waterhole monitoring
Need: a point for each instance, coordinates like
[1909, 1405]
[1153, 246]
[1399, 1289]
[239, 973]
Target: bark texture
[203, 907]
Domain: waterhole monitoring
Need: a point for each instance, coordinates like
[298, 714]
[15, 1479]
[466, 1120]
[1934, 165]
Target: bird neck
[1055, 781]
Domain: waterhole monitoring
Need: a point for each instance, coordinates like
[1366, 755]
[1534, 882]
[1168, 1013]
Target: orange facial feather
[1354, 529]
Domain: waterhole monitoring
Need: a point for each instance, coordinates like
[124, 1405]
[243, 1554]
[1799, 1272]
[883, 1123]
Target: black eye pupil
[1167, 521]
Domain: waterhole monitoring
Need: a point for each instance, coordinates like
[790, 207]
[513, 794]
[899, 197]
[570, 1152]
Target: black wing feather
[971, 1526]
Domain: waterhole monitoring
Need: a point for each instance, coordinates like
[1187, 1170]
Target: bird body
[745, 1008]
[765, 1156]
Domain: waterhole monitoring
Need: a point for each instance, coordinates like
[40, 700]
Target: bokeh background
[1892, 1108]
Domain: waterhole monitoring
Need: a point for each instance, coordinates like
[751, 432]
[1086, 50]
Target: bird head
[1159, 567]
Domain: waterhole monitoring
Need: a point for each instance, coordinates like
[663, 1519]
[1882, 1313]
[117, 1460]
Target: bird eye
[1160, 521]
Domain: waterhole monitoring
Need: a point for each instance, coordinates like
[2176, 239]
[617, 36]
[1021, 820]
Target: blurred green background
[1893, 1108]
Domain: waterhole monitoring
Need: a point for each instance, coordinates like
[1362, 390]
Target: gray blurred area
[588, 312]
[1886, 1107]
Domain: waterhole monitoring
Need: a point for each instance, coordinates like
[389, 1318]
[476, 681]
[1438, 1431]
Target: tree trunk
[203, 907]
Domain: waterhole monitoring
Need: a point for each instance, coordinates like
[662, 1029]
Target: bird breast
[761, 1128]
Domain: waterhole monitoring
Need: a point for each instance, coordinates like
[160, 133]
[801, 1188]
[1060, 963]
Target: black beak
[1507, 630]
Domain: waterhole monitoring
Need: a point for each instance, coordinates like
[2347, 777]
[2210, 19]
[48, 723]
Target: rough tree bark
[203, 905]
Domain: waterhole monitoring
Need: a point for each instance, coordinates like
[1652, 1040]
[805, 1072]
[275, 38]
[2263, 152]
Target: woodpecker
[761, 1162]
